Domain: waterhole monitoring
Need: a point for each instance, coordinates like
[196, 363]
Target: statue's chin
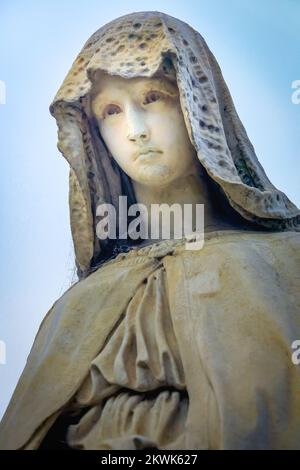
[154, 175]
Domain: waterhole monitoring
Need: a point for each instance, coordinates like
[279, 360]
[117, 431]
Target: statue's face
[141, 122]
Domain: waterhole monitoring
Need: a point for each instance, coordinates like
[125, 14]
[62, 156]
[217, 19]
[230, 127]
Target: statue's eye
[152, 96]
[111, 109]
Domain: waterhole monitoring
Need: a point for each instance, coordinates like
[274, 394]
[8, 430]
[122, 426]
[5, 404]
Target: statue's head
[149, 81]
[141, 122]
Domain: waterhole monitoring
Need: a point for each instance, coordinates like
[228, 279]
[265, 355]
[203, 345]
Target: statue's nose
[135, 136]
[137, 127]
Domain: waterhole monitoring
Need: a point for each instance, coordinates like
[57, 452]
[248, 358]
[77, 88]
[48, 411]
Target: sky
[257, 45]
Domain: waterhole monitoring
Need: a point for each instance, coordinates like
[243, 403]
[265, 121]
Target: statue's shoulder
[271, 238]
[252, 236]
[240, 244]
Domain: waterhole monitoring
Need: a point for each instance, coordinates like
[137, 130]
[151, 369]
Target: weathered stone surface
[234, 308]
[135, 45]
[162, 346]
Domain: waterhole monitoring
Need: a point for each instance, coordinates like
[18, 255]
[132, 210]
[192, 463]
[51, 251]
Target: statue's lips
[147, 153]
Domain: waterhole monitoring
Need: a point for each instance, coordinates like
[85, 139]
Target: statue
[156, 345]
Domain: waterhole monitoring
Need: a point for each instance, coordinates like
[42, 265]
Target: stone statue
[156, 345]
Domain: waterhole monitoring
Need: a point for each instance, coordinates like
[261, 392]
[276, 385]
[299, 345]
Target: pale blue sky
[257, 44]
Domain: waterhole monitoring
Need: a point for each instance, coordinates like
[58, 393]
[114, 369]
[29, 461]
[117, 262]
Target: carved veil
[145, 44]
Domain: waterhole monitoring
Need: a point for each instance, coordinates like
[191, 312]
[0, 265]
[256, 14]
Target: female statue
[157, 345]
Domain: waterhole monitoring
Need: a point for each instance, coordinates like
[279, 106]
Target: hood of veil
[144, 44]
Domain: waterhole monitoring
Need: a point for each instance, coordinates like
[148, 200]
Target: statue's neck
[190, 189]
